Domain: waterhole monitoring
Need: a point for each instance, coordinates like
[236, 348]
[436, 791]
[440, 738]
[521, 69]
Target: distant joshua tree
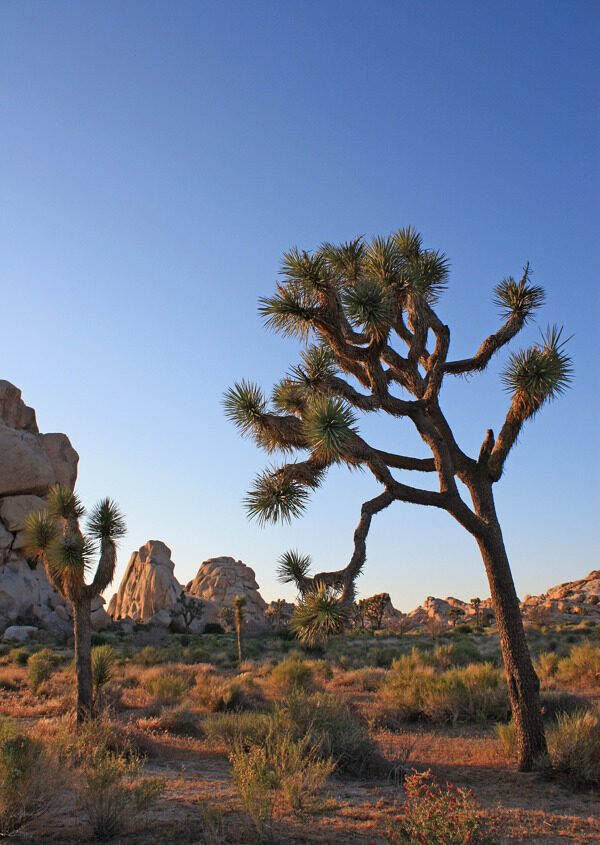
[376, 608]
[275, 612]
[239, 618]
[382, 348]
[454, 614]
[188, 608]
[55, 538]
[476, 605]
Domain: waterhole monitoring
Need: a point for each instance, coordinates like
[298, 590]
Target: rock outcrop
[148, 586]
[30, 463]
[221, 579]
[566, 601]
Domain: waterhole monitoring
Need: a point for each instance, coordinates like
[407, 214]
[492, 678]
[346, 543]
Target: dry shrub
[437, 815]
[546, 665]
[368, 679]
[582, 666]
[221, 696]
[291, 674]
[169, 686]
[28, 778]
[40, 666]
[113, 791]
[179, 720]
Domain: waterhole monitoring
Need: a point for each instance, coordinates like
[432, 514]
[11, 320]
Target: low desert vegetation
[290, 737]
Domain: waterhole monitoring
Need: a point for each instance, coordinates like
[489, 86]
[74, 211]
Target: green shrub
[28, 778]
[41, 666]
[574, 747]
[168, 686]
[367, 679]
[582, 666]
[256, 783]
[220, 696]
[336, 730]
[246, 728]
[103, 662]
[112, 790]
[151, 655]
[290, 674]
[178, 720]
[473, 693]
[383, 657]
[463, 629]
[18, 656]
[437, 815]
[546, 664]
[554, 702]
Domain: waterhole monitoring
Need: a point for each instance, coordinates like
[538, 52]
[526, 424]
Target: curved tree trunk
[240, 637]
[83, 658]
[523, 683]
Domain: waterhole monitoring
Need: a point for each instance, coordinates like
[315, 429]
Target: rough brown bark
[83, 658]
[523, 683]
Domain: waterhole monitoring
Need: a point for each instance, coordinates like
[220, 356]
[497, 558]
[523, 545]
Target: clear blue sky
[156, 159]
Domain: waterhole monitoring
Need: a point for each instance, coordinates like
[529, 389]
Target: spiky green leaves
[319, 614]
[518, 299]
[292, 311]
[244, 405]
[309, 272]
[106, 521]
[69, 556]
[63, 503]
[40, 531]
[370, 306]
[275, 497]
[329, 425]
[293, 568]
[426, 275]
[540, 373]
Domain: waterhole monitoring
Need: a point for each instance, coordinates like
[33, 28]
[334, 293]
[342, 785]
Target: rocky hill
[30, 463]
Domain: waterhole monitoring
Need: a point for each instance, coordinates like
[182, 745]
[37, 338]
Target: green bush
[167, 686]
[437, 815]
[256, 783]
[151, 655]
[292, 674]
[546, 665]
[41, 666]
[179, 720]
[247, 728]
[574, 747]
[28, 778]
[18, 656]
[473, 693]
[582, 666]
[220, 696]
[336, 730]
[103, 661]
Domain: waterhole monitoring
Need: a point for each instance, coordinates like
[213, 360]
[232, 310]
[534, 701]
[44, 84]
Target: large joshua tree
[55, 539]
[381, 347]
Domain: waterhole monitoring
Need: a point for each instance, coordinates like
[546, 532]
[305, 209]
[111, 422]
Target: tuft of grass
[179, 720]
[168, 686]
[40, 666]
[18, 656]
[28, 778]
[574, 748]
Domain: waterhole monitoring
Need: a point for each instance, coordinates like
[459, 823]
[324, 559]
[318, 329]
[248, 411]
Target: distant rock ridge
[30, 463]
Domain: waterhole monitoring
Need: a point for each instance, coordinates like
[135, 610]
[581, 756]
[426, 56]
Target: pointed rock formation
[148, 586]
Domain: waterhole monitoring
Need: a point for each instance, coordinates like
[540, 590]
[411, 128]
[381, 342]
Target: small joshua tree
[454, 615]
[476, 605]
[55, 538]
[359, 609]
[376, 608]
[381, 348]
[239, 618]
[275, 612]
[187, 608]
[319, 614]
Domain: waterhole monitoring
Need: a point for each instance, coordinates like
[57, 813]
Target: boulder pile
[30, 463]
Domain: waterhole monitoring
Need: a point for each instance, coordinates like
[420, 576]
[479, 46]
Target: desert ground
[178, 705]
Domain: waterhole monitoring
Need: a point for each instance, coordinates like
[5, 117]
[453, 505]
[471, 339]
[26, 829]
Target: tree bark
[240, 637]
[523, 683]
[83, 658]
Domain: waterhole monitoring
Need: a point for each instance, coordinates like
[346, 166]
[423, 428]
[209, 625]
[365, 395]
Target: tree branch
[496, 341]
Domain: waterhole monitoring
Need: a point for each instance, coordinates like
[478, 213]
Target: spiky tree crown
[53, 536]
[364, 311]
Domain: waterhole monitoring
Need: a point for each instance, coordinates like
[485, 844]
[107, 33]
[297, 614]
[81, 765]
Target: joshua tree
[188, 609]
[454, 615]
[476, 605]
[275, 612]
[375, 609]
[319, 613]
[226, 614]
[359, 609]
[55, 538]
[370, 306]
[239, 603]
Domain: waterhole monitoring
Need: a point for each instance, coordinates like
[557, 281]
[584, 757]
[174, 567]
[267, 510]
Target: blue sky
[156, 158]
